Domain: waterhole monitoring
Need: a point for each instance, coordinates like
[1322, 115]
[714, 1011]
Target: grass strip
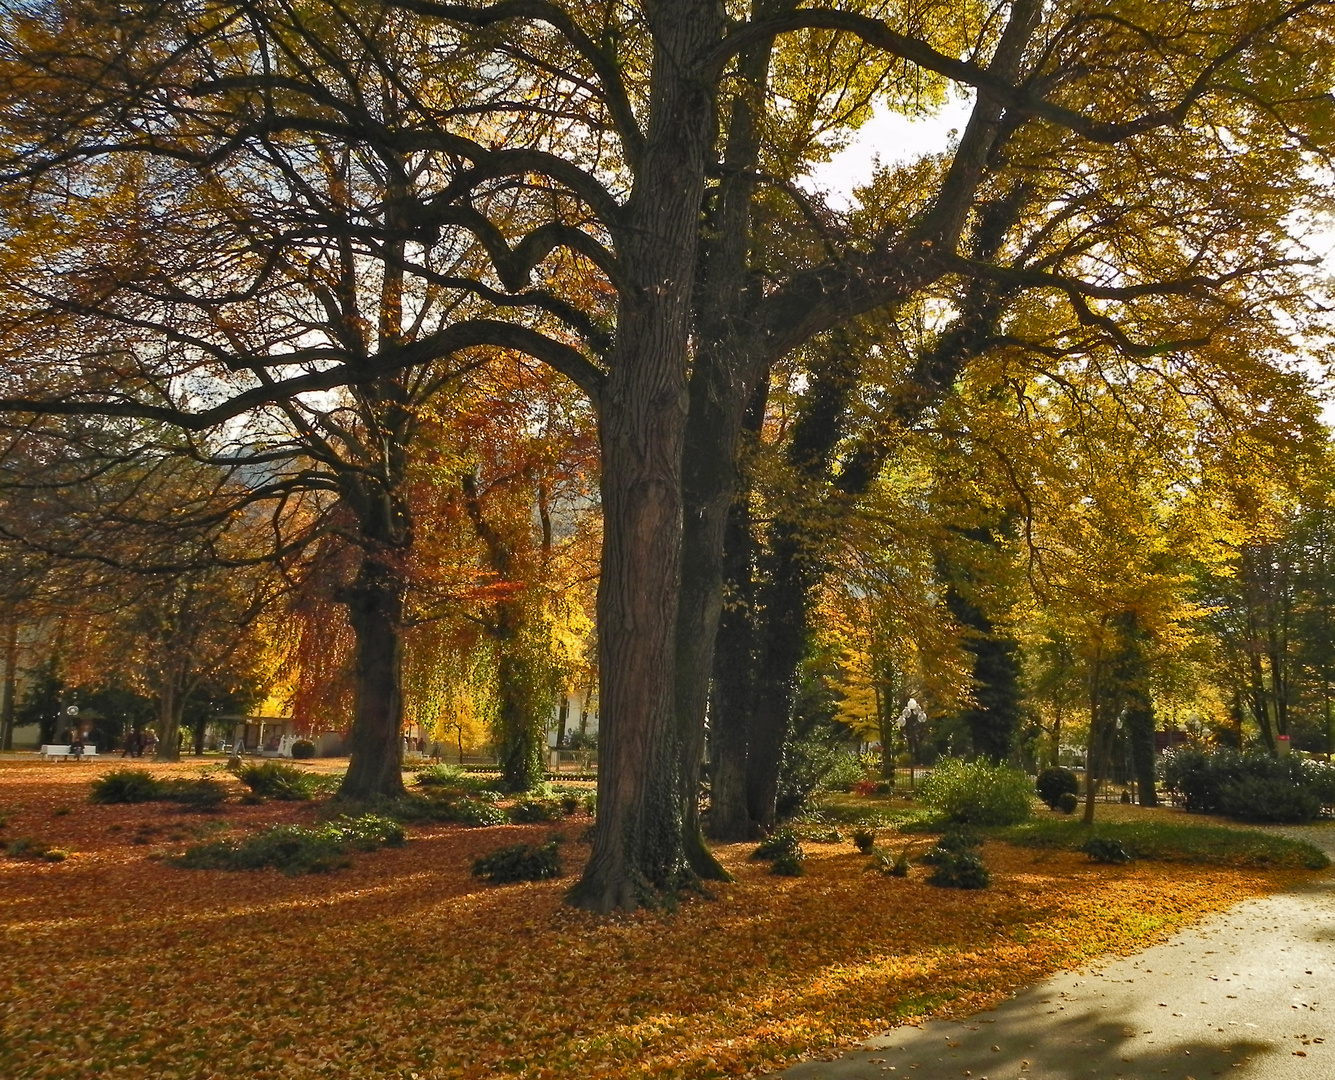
[1203, 844]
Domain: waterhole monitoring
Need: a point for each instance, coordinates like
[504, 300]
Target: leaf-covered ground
[115, 963]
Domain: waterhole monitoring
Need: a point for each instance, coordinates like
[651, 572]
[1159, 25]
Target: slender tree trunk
[10, 683]
[1098, 738]
[710, 484]
[375, 743]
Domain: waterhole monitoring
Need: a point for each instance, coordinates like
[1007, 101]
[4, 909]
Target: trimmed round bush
[303, 748]
[977, 793]
[1054, 783]
[1067, 802]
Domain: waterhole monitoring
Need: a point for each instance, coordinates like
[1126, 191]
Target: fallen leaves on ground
[406, 966]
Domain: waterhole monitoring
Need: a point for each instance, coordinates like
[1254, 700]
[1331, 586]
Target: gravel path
[1249, 994]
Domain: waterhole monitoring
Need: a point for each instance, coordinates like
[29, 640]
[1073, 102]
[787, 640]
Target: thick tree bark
[1140, 730]
[733, 695]
[792, 571]
[727, 368]
[785, 603]
[638, 846]
[375, 742]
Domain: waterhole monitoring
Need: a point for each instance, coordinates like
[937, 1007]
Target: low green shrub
[275, 780]
[951, 844]
[788, 864]
[28, 848]
[782, 842]
[204, 793]
[475, 812]
[447, 805]
[303, 749]
[1053, 783]
[294, 849]
[1268, 799]
[893, 864]
[126, 786]
[1320, 779]
[138, 786]
[530, 811]
[841, 771]
[977, 793]
[453, 778]
[1067, 802]
[864, 840]
[960, 870]
[1251, 786]
[1105, 849]
[520, 862]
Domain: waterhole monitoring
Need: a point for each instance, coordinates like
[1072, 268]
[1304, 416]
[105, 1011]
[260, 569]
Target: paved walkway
[1249, 994]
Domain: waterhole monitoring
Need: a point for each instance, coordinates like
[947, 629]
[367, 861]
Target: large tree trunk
[728, 367]
[638, 845]
[375, 746]
[171, 703]
[785, 602]
[710, 487]
[734, 683]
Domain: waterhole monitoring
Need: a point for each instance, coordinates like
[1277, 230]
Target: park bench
[57, 752]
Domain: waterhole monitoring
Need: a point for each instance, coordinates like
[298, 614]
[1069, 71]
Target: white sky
[892, 137]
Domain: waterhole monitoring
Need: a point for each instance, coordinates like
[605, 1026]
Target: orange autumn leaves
[114, 962]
